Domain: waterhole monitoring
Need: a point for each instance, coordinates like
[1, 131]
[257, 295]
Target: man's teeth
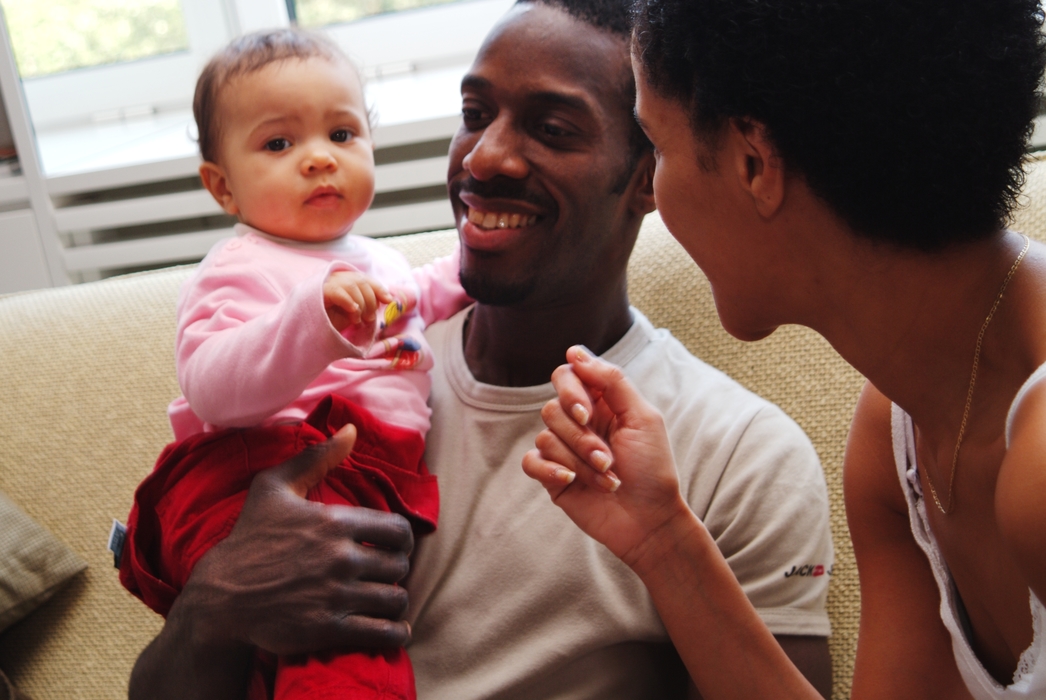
[491, 220]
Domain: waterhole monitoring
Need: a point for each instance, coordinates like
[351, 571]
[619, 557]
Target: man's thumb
[308, 468]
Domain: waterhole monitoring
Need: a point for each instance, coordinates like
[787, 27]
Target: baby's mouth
[494, 220]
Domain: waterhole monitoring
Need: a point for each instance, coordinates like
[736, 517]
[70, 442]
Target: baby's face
[296, 149]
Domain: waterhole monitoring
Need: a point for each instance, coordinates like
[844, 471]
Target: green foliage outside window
[53, 36]
[317, 13]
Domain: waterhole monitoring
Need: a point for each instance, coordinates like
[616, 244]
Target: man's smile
[500, 220]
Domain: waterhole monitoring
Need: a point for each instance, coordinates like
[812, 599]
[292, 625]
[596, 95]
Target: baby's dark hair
[245, 55]
[909, 118]
[614, 16]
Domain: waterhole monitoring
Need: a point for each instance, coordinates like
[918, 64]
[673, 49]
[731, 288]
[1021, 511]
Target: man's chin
[493, 292]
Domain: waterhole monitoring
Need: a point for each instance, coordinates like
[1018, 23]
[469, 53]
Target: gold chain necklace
[973, 380]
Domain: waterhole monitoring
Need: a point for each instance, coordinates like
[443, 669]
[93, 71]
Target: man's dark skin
[547, 117]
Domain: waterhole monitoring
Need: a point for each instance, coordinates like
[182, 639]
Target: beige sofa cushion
[88, 372]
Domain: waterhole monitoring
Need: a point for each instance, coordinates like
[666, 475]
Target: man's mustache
[501, 187]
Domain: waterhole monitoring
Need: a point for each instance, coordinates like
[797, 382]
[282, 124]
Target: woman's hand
[605, 458]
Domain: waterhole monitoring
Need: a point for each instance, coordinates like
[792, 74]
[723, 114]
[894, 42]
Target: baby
[282, 339]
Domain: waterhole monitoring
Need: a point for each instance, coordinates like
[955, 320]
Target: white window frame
[136, 87]
[417, 40]
[404, 42]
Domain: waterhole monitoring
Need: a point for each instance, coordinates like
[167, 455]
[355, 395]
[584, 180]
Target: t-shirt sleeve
[769, 517]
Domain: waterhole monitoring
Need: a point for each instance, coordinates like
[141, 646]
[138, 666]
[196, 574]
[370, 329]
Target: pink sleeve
[245, 349]
[440, 285]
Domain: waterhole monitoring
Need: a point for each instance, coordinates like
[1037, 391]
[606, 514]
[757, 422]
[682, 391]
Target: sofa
[88, 371]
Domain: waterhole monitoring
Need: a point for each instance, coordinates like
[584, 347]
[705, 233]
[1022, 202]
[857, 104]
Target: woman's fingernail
[581, 353]
[580, 414]
[601, 460]
[564, 475]
[609, 481]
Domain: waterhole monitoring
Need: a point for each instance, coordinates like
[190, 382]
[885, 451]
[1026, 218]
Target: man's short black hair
[910, 118]
[614, 16]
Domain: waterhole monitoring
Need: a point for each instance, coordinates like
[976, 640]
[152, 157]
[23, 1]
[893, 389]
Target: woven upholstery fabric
[33, 564]
[88, 372]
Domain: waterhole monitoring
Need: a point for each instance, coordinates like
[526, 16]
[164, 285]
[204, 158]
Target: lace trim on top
[966, 659]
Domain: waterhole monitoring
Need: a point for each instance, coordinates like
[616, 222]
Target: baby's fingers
[342, 309]
[368, 301]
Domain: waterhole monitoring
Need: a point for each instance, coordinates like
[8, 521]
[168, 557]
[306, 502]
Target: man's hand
[292, 577]
[351, 298]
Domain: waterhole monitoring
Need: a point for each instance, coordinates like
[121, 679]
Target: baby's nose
[319, 159]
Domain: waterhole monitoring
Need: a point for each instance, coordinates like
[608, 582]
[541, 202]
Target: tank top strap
[1028, 384]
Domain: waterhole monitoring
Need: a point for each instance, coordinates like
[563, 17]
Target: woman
[848, 166]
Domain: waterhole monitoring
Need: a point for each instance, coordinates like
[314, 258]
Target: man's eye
[471, 114]
[277, 144]
[554, 131]
[341, 135]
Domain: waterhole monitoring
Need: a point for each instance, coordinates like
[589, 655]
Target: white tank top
[1029, 680]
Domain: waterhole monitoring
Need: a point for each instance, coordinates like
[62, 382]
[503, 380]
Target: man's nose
[499, 151]
[318, 159]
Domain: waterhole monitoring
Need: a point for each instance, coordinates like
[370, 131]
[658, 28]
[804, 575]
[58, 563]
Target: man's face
[536, 168]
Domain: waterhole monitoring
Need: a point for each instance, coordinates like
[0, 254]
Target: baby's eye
[277, 144]
[341, 135]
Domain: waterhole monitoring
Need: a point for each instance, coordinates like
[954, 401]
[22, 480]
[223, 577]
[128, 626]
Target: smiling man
[550, 179]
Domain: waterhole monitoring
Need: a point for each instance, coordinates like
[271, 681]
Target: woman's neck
[909, 322]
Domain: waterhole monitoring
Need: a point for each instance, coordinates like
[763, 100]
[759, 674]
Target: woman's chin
[744, 328]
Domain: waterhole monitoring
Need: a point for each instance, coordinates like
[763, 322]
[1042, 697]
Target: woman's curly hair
[910, 118]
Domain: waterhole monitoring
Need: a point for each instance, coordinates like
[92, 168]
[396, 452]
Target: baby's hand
[351, 298]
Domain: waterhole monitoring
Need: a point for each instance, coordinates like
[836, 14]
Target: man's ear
[642, 186]
[759, 169]
[214, 180]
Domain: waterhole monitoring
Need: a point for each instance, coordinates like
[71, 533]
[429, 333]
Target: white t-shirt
[509, 599]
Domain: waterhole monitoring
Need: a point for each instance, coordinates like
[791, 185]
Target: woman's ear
[215, 181]
[758, 167]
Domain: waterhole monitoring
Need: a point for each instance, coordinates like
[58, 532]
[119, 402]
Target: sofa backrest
[87, 373]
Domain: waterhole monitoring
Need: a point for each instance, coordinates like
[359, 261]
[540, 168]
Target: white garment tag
[117, 536]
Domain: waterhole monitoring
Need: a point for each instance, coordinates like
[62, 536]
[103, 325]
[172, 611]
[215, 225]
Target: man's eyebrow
[474, 82]
[559, 98]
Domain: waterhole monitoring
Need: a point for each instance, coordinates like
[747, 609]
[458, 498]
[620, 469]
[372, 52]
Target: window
[318, 13]
[55, 36]
[86, 61]
[421, 39]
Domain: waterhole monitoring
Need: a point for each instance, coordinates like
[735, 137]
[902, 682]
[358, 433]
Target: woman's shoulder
[871, 483]
[1020, 490]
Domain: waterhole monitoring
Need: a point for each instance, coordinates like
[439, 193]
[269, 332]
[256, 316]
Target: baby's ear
[215, 181]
